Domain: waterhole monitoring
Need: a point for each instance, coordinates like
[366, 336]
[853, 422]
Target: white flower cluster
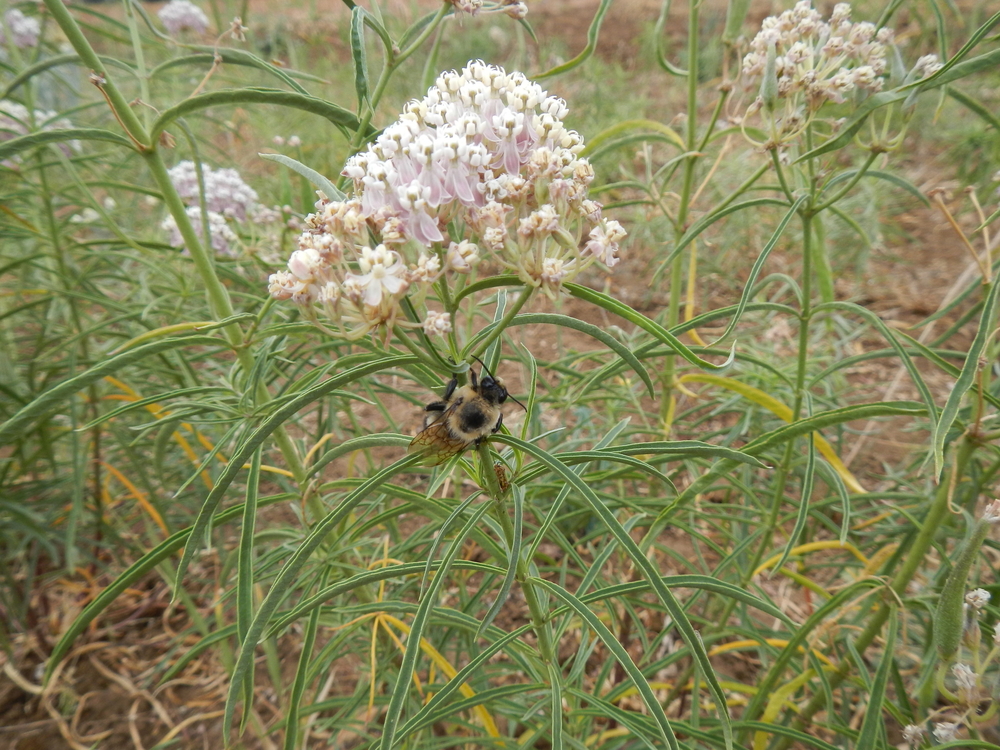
[180, 15]
[227, 197]
[485, 152]
[24, 30]
[801, 62]
[512, 8]
[817, 60]
[15, 121]
[946, 731]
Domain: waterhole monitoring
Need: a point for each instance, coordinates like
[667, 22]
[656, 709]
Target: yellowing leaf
[781, 411]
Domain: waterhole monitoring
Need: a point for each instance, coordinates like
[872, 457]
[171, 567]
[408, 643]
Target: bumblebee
[465, 417]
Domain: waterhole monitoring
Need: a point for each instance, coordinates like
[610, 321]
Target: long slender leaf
[650, 326]
[642, 563]
[615, 648]
[987, 323]
[51, 398]
[270, 424]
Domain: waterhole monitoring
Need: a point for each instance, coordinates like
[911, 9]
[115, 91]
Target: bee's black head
[492, 390]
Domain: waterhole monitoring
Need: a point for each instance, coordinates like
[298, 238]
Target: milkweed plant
[218, 362]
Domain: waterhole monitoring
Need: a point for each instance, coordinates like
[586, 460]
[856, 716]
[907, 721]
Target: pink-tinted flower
[24, 30]
[183, 15]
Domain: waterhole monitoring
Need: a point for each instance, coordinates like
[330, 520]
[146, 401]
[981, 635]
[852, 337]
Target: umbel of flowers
[227, 199]
[481, 168]
[800, 62]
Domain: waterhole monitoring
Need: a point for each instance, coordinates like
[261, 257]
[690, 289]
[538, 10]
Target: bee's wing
[437, 443]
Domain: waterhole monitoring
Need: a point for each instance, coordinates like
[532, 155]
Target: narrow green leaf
[513, 556]
[458, 707]
[158, 398]
[365, 578]
[556, 707]
[360, 56]
[133, 573]
[285, 580]
[804, 497]
[759, 265]
[706, 221]
[644, 564]
[650, 326]
[332, 112]
[879, 174]
[404, 676]
[51, 398]
[987, 322]
[244, 566]
[797, 641]
[312, 175]
[270, 424]
[873, 720]
[577, 325]
[592, 32]
[51, 62]
[233, 56]
[887, 334]
[614, 132]
[618, 651]
[61, 135]
[299, 683]
[952, 72]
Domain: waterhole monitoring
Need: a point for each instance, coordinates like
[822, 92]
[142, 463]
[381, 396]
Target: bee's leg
[498, 425]
[474, 378]
[437, 406]
[452, 385]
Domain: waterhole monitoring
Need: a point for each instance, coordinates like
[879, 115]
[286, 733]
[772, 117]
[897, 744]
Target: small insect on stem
[465, 417]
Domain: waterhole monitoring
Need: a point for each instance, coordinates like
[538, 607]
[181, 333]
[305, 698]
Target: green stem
[850, 183]
[502, 324]
[677, 266]
[781, 175]
[522, 574]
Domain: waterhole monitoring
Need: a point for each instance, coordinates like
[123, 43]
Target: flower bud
[769, 84]
[949, 619]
